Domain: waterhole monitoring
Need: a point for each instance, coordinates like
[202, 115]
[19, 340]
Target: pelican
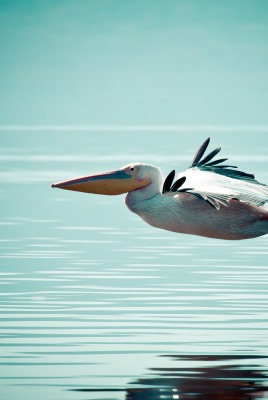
[208, 199]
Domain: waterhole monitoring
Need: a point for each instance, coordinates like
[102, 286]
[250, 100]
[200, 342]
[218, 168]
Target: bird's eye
[132, 169]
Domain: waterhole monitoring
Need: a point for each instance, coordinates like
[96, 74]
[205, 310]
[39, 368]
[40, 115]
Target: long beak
[110, 183]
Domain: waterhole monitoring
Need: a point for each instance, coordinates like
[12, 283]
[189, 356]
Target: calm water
[97, 305]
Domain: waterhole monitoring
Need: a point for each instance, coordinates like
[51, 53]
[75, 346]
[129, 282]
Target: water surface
[95, 304]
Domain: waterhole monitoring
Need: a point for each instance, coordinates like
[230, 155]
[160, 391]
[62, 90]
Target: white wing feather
[221, 187]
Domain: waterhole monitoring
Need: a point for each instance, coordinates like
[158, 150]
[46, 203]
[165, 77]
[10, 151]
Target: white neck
[136, 197]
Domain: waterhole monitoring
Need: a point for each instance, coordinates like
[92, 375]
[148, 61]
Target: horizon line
[148, 128]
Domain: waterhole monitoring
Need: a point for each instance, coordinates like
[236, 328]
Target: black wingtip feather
[210, 156]
[219, 161]
[168, 181]
[200, 153]
[178, 184]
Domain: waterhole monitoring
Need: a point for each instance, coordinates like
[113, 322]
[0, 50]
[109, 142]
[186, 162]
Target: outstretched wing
[215, 182]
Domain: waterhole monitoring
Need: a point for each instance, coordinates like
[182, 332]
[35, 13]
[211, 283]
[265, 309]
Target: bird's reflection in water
[210, 378]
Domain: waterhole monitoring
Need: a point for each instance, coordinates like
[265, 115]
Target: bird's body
[209, 199]
[185, 213]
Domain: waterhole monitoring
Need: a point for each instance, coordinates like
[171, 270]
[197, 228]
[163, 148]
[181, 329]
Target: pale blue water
[95, 304]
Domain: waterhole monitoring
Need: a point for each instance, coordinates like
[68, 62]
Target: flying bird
[208, 199]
